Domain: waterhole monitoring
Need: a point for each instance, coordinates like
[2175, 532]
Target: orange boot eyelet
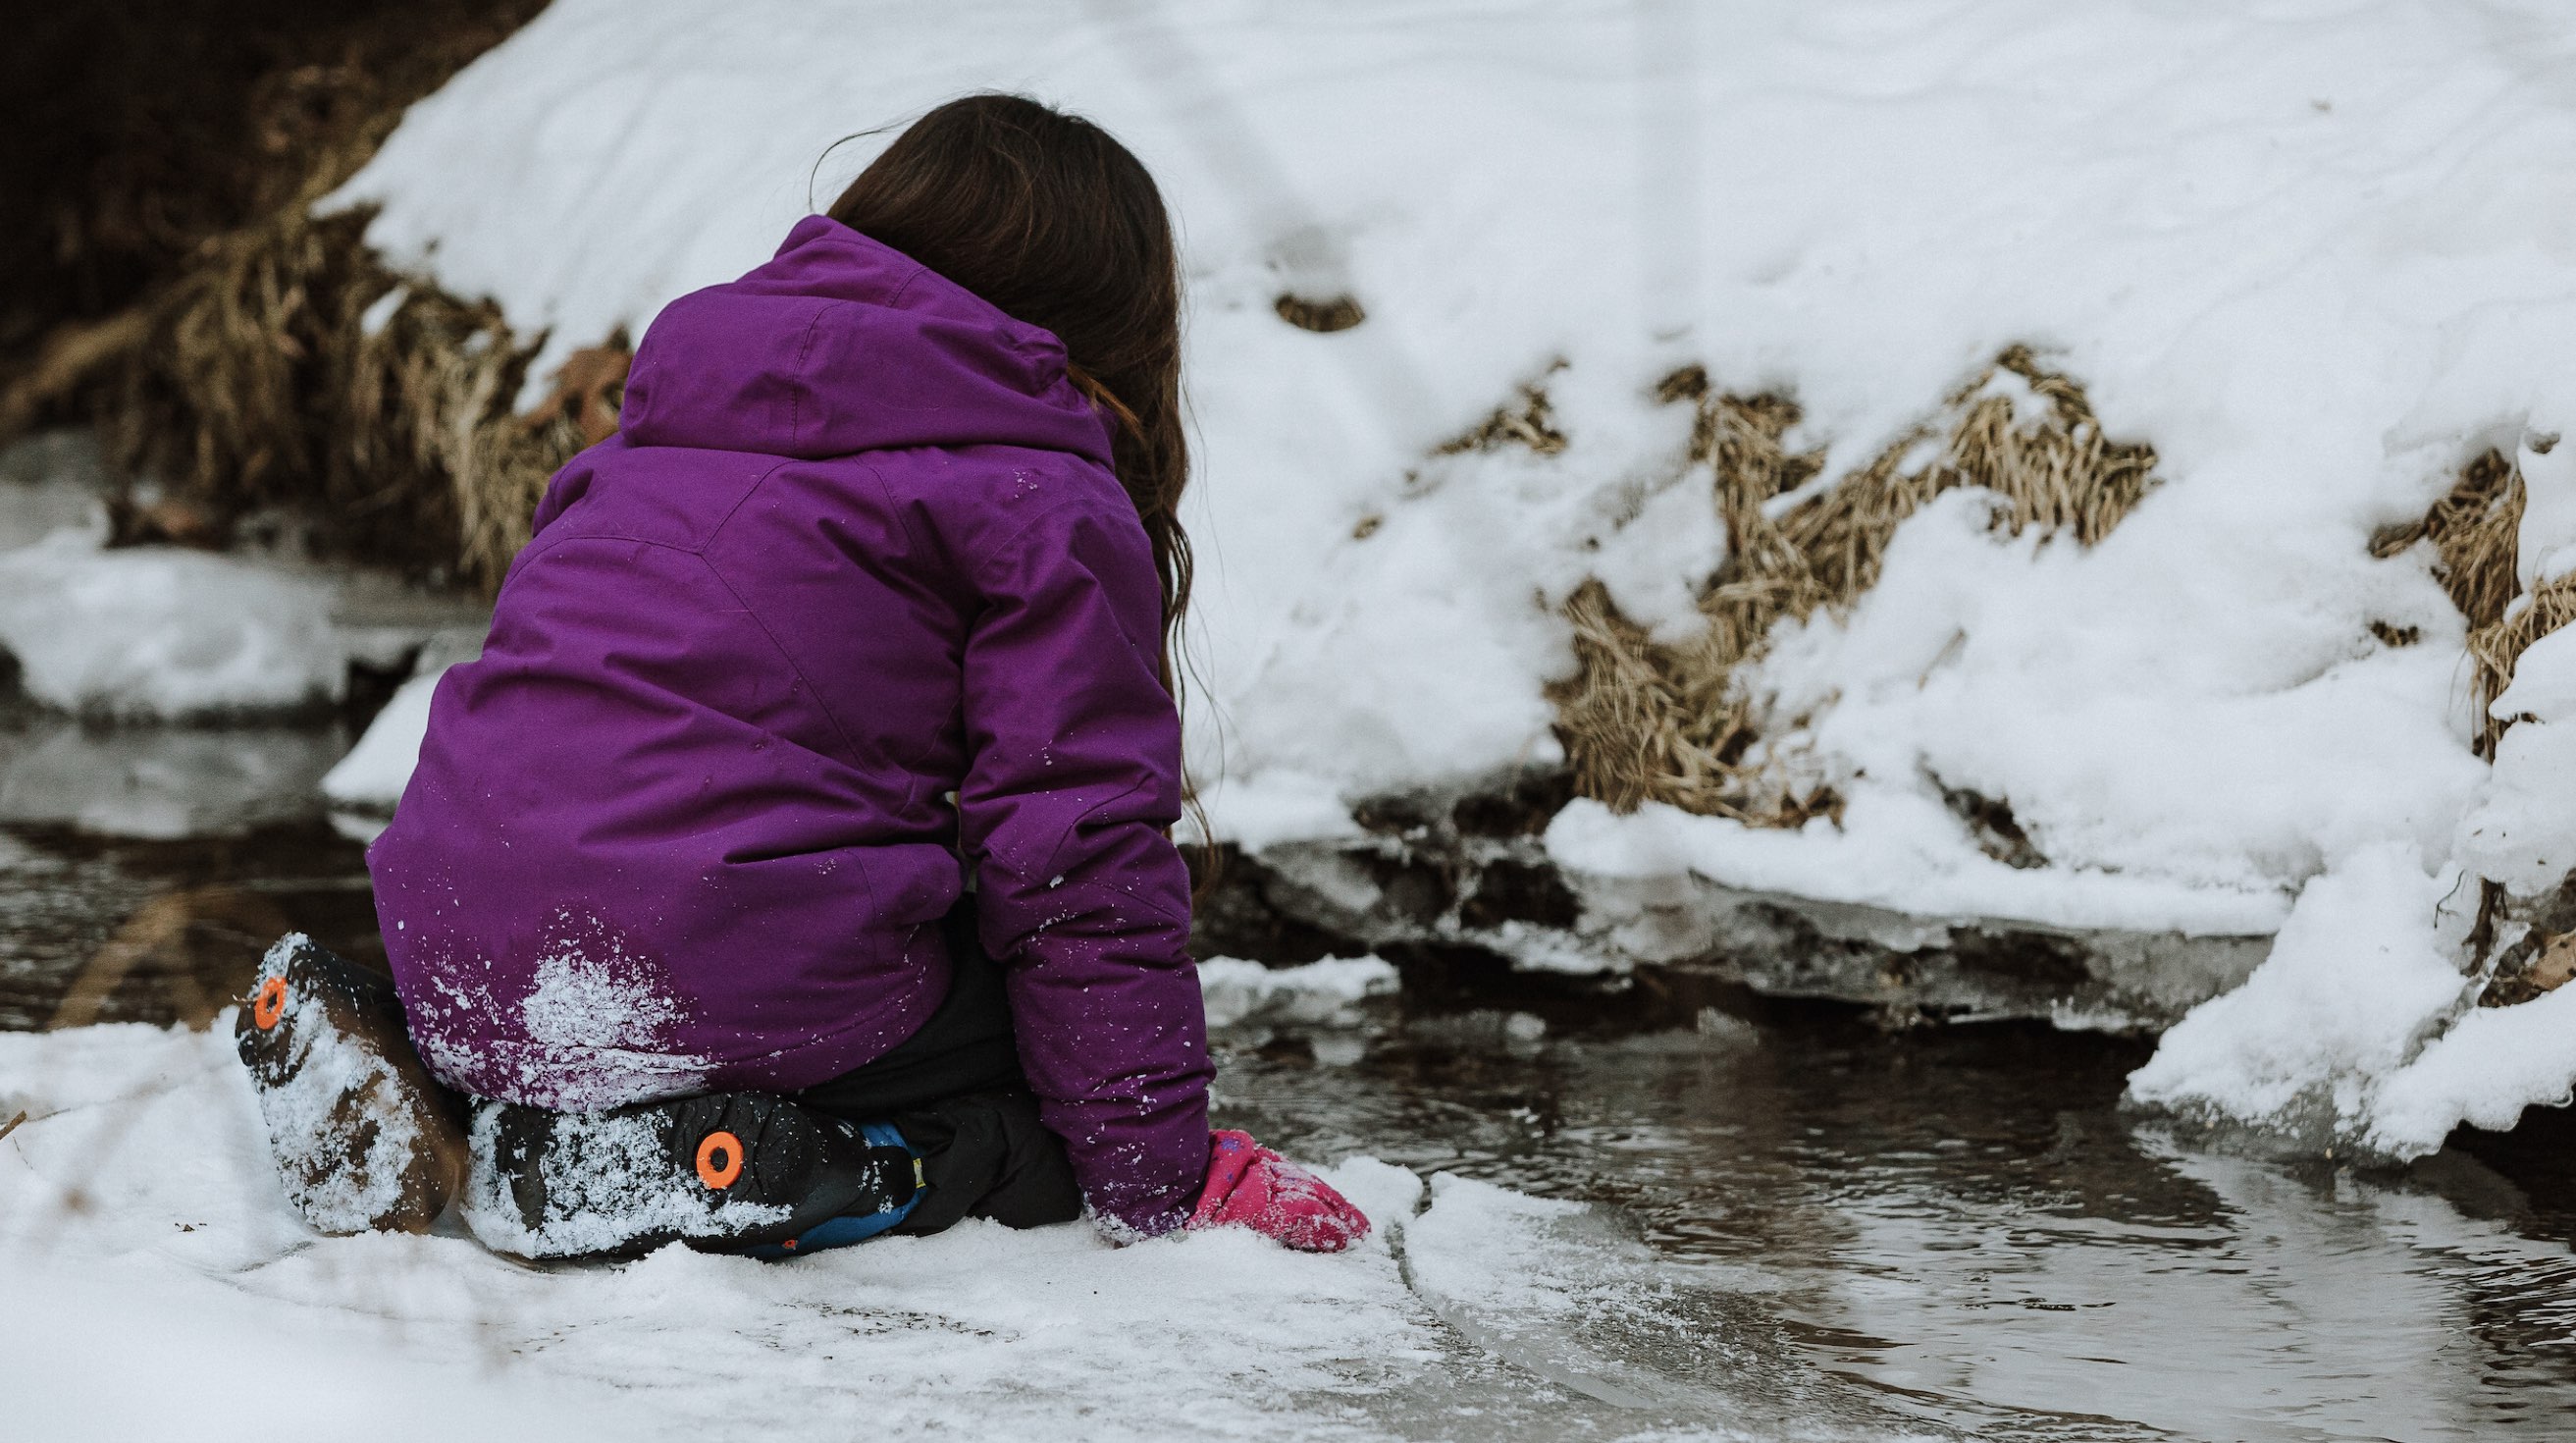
[269, 1004]
[719, 1160]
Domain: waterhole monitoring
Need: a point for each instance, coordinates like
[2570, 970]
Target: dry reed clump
[1325, 315]
[258, 370]
[1643, 721]
[1531, 422]
[289, 369]
[2475, 532]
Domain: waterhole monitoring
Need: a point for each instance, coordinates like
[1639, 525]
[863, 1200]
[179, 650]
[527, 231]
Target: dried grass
[1644, 721]
[1325, 315]
[2475, 533]
[244, 378]
[257, 383]
[1528, 422]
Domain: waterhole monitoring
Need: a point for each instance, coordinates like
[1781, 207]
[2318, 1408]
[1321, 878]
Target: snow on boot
[363, 1137]
[728, 1172]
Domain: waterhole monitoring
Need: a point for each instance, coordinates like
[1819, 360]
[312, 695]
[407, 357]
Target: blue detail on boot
[851, 1228]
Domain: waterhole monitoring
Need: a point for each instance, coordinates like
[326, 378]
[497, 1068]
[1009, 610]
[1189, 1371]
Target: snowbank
[2313, 253]
[2357, 1030]
[1857, 201]
[165, 633]
[138, 1198]
[371, 778]
[170, 634]
[2362, 971]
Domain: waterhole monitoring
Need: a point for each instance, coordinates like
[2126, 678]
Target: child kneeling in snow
[794, 865]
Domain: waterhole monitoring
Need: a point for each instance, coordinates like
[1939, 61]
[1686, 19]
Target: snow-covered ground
[139, 1221]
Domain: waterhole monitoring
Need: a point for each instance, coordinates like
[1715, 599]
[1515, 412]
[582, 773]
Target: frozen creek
[1790, 1225]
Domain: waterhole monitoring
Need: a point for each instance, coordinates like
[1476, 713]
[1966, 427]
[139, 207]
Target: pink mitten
[1249, 1186]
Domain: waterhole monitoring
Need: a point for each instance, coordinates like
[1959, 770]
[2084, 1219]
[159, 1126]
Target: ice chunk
[1325, 993]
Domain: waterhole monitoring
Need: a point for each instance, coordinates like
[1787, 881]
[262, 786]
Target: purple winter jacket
[688, 825]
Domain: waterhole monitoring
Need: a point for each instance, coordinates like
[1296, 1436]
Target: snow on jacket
[688, 824]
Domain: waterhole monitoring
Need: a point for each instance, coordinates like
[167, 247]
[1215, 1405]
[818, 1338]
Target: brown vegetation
[218, 332]
[263, 381]
[1644, 721]
[1526, 422]
[2475, 532]
[1327, 315]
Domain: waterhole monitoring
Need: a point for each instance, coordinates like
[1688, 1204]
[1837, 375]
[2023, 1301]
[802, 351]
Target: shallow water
[1965, 1227]
[1954, 1231]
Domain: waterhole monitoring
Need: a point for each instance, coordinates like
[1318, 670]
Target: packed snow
[139, 1218]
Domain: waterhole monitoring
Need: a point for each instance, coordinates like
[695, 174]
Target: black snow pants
[955, 1091]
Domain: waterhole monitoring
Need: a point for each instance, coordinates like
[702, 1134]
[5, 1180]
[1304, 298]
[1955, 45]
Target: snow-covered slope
[2317, 253]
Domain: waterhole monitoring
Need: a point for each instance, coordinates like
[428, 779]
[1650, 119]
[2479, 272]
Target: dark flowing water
[1958, 1228]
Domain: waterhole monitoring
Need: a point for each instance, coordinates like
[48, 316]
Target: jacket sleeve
[1073, 778]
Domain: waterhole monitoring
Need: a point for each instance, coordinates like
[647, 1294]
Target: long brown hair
[1051, 220]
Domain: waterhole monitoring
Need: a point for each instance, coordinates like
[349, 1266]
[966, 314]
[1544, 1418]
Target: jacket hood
[841, 344]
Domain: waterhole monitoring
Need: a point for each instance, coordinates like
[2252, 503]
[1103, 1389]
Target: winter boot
[364, 1139]
[744, 1172]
